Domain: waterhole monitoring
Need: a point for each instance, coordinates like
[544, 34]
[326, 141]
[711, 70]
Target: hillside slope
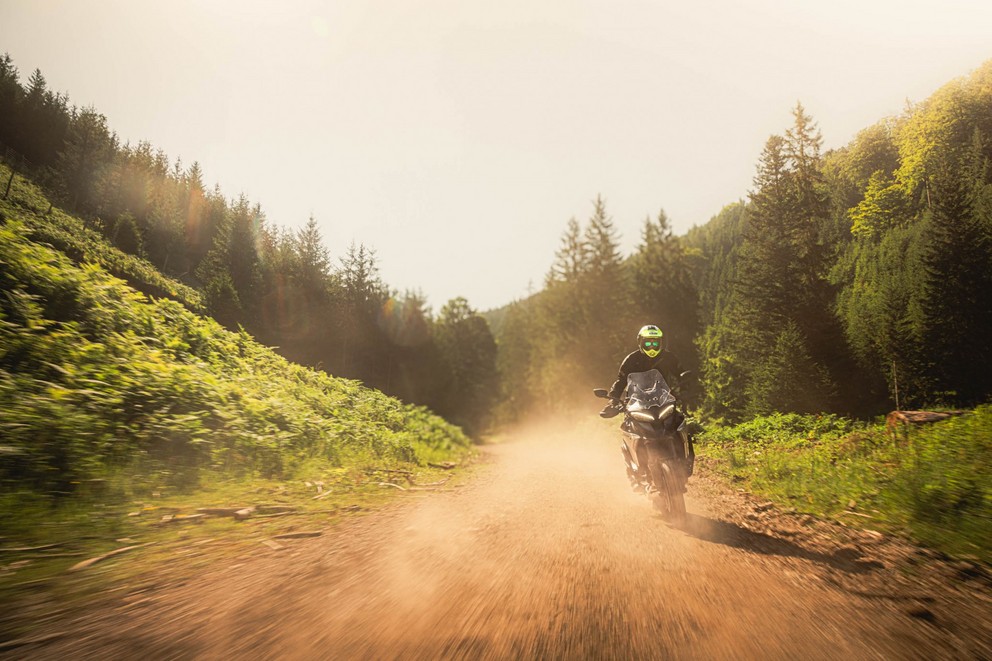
[99, 381]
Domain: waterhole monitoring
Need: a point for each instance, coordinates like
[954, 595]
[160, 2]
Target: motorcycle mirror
[601, 393]
[609, 413]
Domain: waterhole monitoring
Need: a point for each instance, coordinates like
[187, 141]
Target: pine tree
[958, 290]
[469, 353]
[783, 264]
[662, 286]
[88, 148]
[571, 258]
[314, 262]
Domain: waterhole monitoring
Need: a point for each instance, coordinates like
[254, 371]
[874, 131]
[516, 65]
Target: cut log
[897, 423]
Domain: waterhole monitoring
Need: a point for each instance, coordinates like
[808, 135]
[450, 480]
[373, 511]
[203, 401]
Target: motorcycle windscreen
[647, 389]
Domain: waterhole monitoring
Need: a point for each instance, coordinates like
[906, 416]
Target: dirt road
[547, 555]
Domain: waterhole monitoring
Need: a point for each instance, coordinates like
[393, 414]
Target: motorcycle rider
[650, 354]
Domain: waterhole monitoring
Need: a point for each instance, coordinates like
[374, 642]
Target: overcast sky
[458, 137]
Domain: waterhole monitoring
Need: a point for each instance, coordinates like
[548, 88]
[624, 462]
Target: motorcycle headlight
[642, 416]
[667, 411]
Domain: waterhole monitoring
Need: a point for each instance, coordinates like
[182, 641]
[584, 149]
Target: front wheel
[667, 480]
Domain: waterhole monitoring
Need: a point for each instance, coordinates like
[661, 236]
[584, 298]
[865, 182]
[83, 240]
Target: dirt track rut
[548, 555]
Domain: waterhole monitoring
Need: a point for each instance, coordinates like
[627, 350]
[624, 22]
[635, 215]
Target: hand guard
[611, 410]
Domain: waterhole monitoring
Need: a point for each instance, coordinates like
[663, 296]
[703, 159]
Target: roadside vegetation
[933, 483]
[109, 396]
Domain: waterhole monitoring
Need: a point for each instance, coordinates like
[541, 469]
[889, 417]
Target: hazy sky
[458, 137]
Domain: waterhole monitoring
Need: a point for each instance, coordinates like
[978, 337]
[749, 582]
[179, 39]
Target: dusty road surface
[547, 555]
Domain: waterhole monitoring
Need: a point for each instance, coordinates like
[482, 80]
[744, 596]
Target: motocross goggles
[651, 346]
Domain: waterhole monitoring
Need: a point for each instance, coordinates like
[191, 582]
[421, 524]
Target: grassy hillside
[934, 483]
[108, 391]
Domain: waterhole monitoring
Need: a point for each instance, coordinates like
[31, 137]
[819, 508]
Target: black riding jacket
[665, 362]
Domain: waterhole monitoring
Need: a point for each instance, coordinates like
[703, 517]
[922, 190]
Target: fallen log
[897, 423]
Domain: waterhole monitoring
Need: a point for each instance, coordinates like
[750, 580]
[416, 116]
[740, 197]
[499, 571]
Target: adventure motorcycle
[656, 444]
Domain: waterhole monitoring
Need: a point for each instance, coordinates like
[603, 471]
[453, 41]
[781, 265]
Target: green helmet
[649, 340]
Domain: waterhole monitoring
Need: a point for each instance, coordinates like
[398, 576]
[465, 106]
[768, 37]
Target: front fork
[636, 470]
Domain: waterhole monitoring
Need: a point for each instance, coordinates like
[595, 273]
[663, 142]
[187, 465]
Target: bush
[937, 485]
[98, 379]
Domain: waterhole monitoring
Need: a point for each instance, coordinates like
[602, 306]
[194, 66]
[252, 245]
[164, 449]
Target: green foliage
[782, 429]
[881, 309]
[82, 243]
[469, 353]
[97, 380]
[903, 299]
[946, 479]
[884, 206]
[935, 485]
[787, 379]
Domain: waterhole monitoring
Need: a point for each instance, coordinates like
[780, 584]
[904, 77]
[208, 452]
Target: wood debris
[220, 511]
[446, 465]
[268, 509]
[27, 549]
[183, 518]
[100, 558]
[296, 535]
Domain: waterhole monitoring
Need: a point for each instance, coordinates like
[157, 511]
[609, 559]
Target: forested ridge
[844, 278]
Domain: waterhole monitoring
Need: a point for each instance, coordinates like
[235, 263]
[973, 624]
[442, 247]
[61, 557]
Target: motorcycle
[656, 444]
